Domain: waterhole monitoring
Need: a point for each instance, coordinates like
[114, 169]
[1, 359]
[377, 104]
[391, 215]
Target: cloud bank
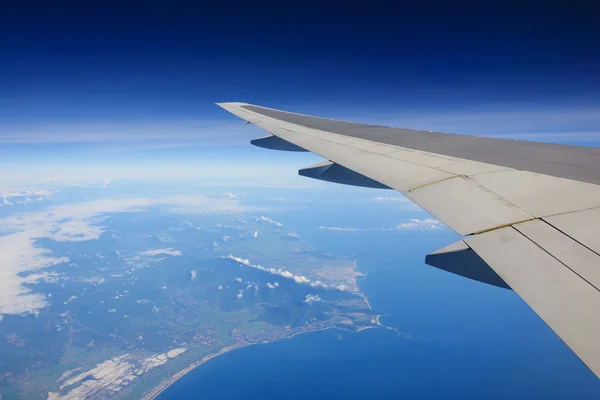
[19, 254]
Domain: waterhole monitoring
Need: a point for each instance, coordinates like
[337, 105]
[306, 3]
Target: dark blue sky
[140, 63]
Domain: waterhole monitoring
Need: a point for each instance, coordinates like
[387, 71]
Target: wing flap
[565, 301]
[583, 226]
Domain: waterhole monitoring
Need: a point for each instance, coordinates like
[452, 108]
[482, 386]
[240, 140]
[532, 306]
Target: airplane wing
[529, 213]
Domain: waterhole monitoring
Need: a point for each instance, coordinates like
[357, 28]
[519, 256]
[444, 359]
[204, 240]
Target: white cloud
[160, 133]
[238, 279]
[312, 298]
[269, 220]
[193, 274]
[168, 251]
[414, 224]
[301, 279]
[240, 294]
[283, 199]
[280, 272]
[22, 195]
[255, 234]
[71, 222]
[220, 287]
[270, 285]
[420, 225]
[346, 229]
[230, 195]
[388, 198]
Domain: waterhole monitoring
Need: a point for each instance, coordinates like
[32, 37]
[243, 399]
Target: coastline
[164, 385]
[155, 391]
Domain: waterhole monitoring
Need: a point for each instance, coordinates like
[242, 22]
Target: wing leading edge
[530, 211]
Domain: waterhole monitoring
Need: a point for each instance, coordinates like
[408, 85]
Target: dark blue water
[467, 340]
[453, 358]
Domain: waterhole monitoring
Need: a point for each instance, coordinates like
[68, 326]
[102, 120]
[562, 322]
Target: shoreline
[166, 383]
[155, 391]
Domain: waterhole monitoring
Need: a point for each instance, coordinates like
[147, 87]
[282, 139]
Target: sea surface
[466, 340]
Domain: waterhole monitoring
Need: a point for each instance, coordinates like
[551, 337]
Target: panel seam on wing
[493, 228]
[277, 124]
[295, 129]
[569, 236]
[556, 258]
[434, 182]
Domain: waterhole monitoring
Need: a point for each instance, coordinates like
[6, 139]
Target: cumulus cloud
[238, 279]
[23, 195]
[230, 195]
[193, 274]
[312, 298]
[275, 271]
[269, 220]
[240, 294]
[420, 224]
[220, 287]
[255, 234]
[71, 222]
[270, 285]
[301, 279]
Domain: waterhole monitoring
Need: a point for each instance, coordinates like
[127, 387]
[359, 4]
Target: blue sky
[128, 89]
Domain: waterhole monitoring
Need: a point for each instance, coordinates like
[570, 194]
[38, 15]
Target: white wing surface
[530, 211]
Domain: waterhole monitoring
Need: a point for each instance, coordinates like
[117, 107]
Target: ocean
[466, 340]
[447, 356]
